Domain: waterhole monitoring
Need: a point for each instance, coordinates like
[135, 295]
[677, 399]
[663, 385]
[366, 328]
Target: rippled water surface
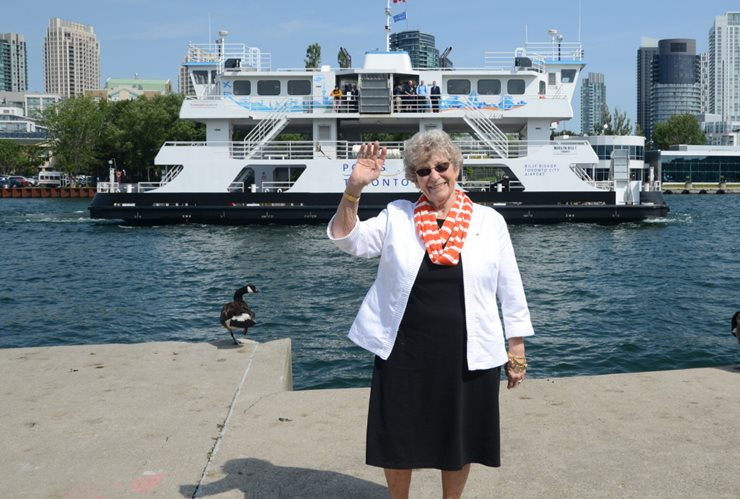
[604, 299]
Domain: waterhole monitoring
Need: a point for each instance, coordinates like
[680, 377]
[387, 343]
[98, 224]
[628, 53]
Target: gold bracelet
[518, 364]
[351, 198]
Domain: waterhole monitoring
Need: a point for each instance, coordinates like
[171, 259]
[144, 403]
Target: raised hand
[369, 164]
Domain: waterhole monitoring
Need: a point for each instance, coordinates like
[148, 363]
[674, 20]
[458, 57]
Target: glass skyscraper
[668, 81]
[420, 46]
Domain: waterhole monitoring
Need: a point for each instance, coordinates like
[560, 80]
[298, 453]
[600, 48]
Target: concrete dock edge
[216, 420]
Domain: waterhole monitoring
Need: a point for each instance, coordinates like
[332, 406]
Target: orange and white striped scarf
[444, 243]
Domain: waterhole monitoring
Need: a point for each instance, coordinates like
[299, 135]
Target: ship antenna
[579, 21]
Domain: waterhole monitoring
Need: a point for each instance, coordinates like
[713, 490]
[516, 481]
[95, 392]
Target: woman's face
[438, 187]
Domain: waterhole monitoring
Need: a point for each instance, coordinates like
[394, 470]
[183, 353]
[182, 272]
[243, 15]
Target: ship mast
[388, 25]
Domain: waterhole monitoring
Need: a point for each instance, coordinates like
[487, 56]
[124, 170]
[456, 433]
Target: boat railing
[274, 149]
[408, 105]
[229, 56]
[556, 52]
[471, 148]
[106, 187]
[519, 60]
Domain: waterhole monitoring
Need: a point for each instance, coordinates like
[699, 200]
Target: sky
[150, 37]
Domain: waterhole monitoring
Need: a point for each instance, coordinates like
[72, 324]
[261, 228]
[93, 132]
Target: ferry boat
[500, 114]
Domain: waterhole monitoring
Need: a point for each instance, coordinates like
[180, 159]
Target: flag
[399, 17]
[399, 1]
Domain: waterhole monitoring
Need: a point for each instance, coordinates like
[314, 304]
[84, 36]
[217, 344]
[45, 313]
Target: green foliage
[10, 152]
[343, 59]
[679, 129]
[385, 137]
[313, 56]
[86, 134]
[617, 124]
[76, 129]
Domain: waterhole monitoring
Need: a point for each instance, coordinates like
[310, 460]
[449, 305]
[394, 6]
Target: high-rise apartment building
[668, 81]
[676, 85]
[593, 102]
[71, 58]
[645, 54]
[13, 63]
[420, 47]
[724, 67]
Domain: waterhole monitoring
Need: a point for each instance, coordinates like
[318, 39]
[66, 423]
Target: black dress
[427, 410]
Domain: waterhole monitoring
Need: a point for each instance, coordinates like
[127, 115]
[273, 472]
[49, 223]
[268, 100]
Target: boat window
[458, 87]
[489, 87]
[200, 77]
[567, 75]
[551, 79]
[242, 87]
[543, 88]
[299, 87]
[515, 86]
[268, 87]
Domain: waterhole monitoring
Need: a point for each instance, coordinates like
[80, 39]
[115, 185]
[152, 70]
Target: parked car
[18, 181]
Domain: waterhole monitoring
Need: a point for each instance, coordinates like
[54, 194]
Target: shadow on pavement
[259, 479]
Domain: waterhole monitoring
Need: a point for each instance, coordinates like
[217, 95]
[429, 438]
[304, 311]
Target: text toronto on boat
[500, 115]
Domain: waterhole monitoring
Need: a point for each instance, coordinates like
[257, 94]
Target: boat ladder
[486, 129]
[267, 129]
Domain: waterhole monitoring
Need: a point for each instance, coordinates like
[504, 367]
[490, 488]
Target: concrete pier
[214, 420]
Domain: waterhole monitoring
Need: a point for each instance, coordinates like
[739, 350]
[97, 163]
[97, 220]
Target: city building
[724, 67]
[708, 164]
[721, 84]
[19, 113]
[420, 47]
[645, 54]
[13, 63]
[593, 102]
[676, 83]
[668, 81]
[118, 89]
[71, 58]
[184, 84]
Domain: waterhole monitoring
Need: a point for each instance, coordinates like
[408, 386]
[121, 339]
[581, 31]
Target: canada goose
[237, 314]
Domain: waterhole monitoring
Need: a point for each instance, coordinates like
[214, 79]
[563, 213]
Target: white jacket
[489, 270]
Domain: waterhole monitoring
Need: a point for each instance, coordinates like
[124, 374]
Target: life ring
[118, 174]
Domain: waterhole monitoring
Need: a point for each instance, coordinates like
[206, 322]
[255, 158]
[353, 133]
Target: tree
[343, 58]
[313, 56]
[76, 128]
[679, 129]
[10, 154]
[141, 126]
[617, 124]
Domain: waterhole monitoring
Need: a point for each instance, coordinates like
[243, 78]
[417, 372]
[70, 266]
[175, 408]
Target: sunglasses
[440, 168]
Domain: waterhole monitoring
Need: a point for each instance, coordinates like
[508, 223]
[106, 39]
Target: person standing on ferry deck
[423, 92]
[436, 93]
[431, 317]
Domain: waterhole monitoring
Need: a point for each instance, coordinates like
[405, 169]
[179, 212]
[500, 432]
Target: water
[604, 299]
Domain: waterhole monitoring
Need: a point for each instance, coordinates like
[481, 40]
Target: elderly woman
[431, 317]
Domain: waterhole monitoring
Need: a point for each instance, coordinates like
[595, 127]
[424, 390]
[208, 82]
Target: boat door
[375, 93]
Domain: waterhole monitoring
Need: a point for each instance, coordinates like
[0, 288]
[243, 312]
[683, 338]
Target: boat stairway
[486, 129]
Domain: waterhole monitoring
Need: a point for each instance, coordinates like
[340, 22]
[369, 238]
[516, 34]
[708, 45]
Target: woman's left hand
[514, 377]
